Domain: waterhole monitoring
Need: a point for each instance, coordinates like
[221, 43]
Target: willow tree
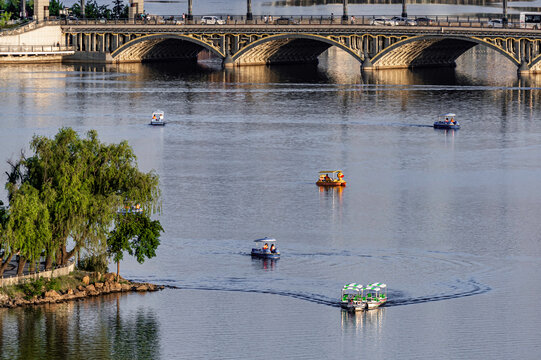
[135, 233]
[83, 183]
[27, 229]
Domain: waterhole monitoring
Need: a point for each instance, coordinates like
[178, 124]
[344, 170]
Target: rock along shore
[105, 284]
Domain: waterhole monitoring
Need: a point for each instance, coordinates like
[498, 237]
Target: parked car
[383, 21]
[283, 21]
[212, 20]
[424, 21]
[496, 23]
[404, 21]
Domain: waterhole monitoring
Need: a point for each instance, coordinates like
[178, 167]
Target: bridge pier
[367, 64]
[524, 69]
[228, 62]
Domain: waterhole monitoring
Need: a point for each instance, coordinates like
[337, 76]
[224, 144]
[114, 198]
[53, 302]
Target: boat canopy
[381, 285]
[448, 115]
[330, 171]
[157, 112]
[265, 239]
[353, 286]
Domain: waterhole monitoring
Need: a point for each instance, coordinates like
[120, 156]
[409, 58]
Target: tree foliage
[135, 233]
[54, 7]
[70, 190]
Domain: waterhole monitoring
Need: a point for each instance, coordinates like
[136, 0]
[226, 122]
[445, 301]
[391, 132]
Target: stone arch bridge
[375, 47]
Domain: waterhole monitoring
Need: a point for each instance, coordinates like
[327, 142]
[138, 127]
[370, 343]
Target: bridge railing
[34, 48]
[272, 20]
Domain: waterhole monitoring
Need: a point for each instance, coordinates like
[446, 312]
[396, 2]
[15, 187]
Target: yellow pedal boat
[331, 178]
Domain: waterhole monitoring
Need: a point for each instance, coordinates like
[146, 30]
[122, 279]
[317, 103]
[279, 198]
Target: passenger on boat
[327, 178]
[273, 248]
[446, 119]
[266, 246]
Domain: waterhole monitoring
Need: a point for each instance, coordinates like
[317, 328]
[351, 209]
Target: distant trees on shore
[77, 192]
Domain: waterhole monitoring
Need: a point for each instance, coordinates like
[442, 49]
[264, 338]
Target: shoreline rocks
[83, 291]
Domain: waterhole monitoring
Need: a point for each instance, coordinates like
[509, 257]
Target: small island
[75, 198]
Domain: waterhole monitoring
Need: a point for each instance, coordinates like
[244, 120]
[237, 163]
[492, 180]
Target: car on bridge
[283, 21]
[424, 21]
[404, 21]
[499, 23]
[383, 21]
[212, 20]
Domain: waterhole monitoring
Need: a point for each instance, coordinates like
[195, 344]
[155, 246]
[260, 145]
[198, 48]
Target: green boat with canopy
[375, 295]
[352, 297]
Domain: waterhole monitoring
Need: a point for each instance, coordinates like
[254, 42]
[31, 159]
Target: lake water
[448, 219]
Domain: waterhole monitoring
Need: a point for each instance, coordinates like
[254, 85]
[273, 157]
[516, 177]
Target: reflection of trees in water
[75, 330]
[135, 337]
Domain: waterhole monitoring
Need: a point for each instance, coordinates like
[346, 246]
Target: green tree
[135, 233]
[54, 7]
[82, 182]
[4, 18]
[27, 229]
[118, 9]
[95, 11]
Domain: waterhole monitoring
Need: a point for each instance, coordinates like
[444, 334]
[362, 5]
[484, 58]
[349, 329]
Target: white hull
[354, 307]
[374, 305]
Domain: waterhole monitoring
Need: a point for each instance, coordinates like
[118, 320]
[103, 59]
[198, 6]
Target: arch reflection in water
[370, 320]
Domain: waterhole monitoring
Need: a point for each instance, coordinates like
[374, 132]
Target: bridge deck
[302, 28]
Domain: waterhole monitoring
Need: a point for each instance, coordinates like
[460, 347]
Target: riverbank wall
[48, 274]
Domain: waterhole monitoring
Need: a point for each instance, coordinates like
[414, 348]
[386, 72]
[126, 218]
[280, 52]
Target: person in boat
[153, 117]
[446, 119]
[266, 246]
[327, 178]
[273, 248]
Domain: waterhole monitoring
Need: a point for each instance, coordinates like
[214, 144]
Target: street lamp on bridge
[190, 15]
[504, 15]
[249, 15]
[404, 12]
[345, 13]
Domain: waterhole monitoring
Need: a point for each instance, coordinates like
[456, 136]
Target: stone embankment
[86, 289]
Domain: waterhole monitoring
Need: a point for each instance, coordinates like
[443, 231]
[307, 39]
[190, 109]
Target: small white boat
[376, 295]
[352, 297]
[157, 118]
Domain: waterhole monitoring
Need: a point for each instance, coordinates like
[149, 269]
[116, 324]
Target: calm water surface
[449, 220]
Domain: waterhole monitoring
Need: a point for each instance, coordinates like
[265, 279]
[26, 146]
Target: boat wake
[396, 298]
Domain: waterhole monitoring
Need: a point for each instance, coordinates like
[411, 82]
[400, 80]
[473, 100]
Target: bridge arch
[431, 50]
[287, 48]
[162, 46]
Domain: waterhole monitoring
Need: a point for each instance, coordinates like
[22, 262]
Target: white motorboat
[158, 118]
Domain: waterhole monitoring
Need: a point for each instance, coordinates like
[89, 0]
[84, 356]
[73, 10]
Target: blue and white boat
[267, 249]
[447, 121]
[158, 118]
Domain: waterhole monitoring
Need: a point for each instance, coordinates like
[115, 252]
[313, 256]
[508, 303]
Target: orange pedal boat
[331, 178]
